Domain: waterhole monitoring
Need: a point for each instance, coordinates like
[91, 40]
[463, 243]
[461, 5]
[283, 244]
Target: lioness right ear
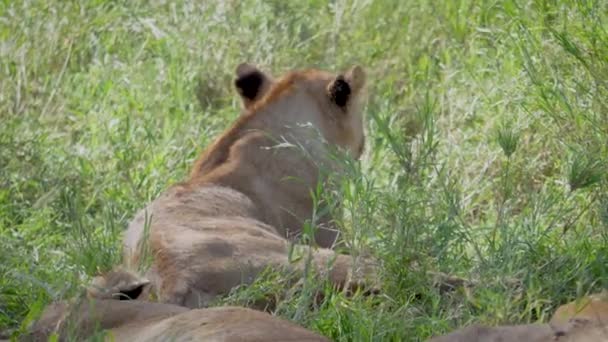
[345, 86]
[251, 83]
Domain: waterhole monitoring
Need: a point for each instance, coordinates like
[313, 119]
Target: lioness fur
[583, 320]
[249, 193]
[592, 308]
[134, 320]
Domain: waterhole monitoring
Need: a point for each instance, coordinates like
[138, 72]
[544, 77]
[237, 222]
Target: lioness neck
[272, 156]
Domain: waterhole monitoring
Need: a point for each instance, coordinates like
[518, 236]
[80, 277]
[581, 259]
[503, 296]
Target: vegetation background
[487, 151]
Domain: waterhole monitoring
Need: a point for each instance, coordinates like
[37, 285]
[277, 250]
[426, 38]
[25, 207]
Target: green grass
[487, 154]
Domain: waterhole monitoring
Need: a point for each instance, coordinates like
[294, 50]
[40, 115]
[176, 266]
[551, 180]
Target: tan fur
[134, 320]
[592, 308]
[573, 332]
[249, 194]
[579, 321]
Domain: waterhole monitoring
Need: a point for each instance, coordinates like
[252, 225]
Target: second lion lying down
[103, 314]
[249, 192]
[583, 320]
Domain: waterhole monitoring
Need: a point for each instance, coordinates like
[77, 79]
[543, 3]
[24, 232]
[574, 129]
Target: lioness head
[337, 96]
[283, 107]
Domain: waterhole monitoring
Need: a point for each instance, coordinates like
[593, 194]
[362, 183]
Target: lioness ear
[344, 86]
[339, 91]
[131, 291]
[251, 83]
[118, 284]
[356, 78]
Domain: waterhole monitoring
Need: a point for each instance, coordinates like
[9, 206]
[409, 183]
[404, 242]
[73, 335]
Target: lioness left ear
[251, 83]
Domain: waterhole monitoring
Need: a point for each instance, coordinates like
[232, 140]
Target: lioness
[579, 321]
[593, 308]
[250, 191]
[104, 312]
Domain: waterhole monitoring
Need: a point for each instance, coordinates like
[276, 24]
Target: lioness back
[185, 205]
